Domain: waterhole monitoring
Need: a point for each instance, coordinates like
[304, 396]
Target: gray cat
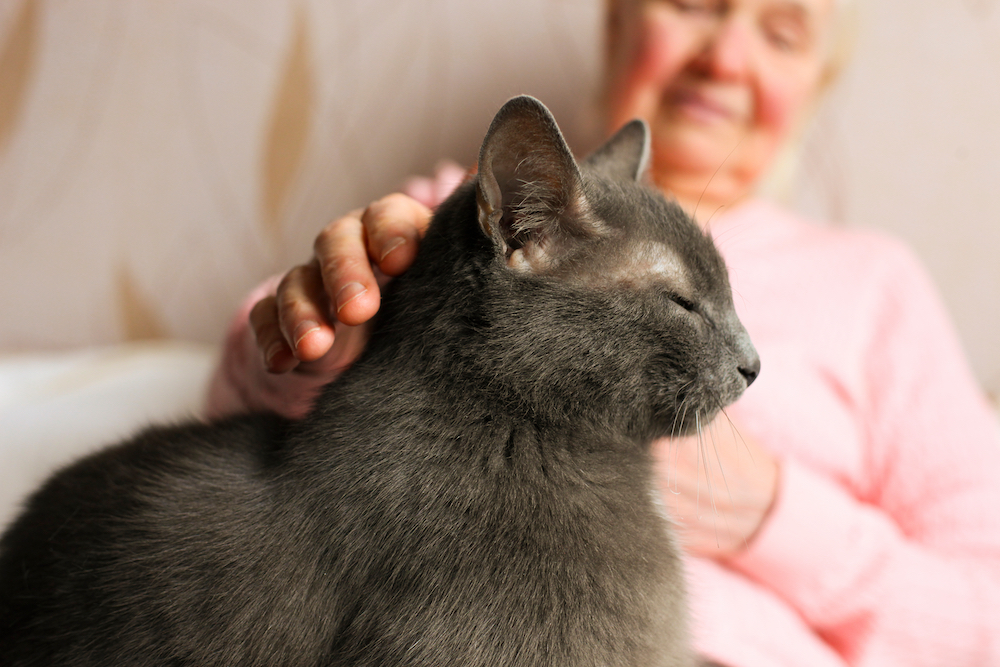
[476, 490]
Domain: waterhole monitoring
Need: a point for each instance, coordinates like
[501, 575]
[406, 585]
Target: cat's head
[620, 298]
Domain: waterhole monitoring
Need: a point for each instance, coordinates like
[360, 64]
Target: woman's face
[722, 83]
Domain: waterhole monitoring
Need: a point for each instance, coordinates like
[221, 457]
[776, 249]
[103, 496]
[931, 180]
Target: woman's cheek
[658, 56]
[784, 97]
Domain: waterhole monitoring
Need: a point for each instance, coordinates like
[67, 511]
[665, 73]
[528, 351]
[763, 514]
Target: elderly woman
[847, 512]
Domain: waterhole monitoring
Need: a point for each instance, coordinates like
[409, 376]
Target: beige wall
[159, 157]
[910, 143]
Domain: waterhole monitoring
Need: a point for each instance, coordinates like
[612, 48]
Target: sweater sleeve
[908, 571]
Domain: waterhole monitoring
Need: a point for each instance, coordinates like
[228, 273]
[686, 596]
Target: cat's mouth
[683, 413]
[687, 408]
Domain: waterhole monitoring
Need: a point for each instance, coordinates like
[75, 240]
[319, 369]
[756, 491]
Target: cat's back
[156, 472]
[158, 546]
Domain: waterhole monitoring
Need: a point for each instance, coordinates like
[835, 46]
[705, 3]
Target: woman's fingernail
[348, 293]
[391, 245]
[276, 347]
[304, 329]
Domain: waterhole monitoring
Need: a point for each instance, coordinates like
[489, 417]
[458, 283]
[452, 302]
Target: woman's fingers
[431, 191]
[296, 324]
[342, 258]
[303, 309]
[448, 175]
[387, 233]
[292, 326]
[719, 487]
[394, 226]
[277, 353]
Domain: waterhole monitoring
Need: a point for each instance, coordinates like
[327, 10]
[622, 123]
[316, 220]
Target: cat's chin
[686, 423]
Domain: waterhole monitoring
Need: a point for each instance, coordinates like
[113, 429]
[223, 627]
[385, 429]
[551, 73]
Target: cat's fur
[476, 490]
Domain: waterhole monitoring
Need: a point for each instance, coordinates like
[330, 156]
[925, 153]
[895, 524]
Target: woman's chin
[707, 170]
[692, 156]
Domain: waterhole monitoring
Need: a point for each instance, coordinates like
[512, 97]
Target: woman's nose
[726, 53]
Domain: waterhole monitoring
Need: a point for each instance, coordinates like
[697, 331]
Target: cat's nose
[750, 370]
[747, 359]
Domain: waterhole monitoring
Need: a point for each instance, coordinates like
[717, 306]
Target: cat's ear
[625, 156]
[530, 191]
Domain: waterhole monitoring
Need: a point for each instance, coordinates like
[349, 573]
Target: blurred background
[158, 158]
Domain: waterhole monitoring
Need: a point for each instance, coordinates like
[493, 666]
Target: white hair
[842, 39]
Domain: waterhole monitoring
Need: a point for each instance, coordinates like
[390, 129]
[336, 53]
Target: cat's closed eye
[683, 302]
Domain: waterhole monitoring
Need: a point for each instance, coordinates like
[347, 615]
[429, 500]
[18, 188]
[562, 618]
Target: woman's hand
[313, 323]
[718, 488]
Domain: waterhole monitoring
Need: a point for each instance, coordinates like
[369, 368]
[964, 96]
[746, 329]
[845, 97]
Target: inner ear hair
[530, 189]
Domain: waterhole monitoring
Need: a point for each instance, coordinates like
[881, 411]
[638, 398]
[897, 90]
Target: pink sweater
[883, 547]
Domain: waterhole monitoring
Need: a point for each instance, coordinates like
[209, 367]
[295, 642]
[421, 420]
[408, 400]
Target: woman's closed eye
[697, 6]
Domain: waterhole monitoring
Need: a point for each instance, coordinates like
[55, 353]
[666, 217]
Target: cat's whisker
[725, 482]
[672, 475]
[679, 414]
[699, 463]
[694, 214]
[673, 424]
[738, 435]
[703, 455]
[675, 447]
[724, 237]
[718, 460]
[714, 213]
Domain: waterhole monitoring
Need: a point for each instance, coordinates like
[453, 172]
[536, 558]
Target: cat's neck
[442, 350]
